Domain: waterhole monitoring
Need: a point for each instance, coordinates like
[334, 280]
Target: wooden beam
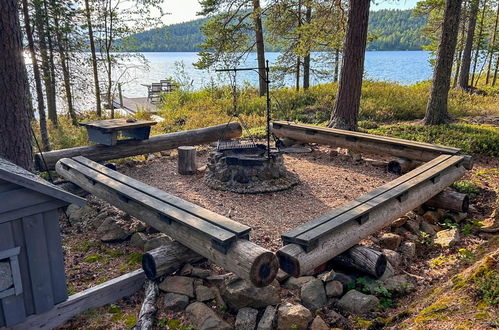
[362, 142]
[295, 260]
[244, 258]
[450, 200]
[97, 296]
[133, 148]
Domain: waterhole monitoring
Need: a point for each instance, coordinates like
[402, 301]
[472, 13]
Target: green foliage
[472, 139]
[93, 258]
[134, 259]
[130, 321]
[448, 223]
[487, 286]
[470, 226]
[466, 187]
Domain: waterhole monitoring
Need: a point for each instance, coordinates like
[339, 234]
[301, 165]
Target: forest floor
[328, 180]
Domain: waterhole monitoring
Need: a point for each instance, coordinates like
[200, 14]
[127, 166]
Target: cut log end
[149, 266]
[288, 263]
[187, 160]
[264, 269]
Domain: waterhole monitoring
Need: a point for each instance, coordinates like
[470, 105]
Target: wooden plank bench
[363, 142]
[309, 234]
[218, 229]
[106, 131]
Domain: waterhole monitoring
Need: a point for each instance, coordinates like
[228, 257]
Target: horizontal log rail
[220, 239]
[363, 142]
[323, 238]
[155, 143]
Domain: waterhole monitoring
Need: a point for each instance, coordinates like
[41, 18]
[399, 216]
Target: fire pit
[246, 168]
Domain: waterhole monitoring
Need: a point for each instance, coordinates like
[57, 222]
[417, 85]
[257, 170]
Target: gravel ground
[327, 181]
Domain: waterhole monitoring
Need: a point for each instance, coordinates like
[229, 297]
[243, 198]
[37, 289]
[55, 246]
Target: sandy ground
[326, 182]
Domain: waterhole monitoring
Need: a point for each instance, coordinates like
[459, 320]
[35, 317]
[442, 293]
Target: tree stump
[187, 160]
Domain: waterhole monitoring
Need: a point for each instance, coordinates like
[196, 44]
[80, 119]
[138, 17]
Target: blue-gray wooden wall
[30, 220]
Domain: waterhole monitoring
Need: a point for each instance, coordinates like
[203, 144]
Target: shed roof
[15, 174]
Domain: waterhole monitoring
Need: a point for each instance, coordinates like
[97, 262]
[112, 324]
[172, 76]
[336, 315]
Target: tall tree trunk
[94, 58]
[459, 50]
[464, 75]
[306, 59]
[496, 71]
[492, 45]
[64, 65]
[436, 110]
[336, 64]
[15, 132]
[346, 106]
[48, 34]
[38, 82]
[479, 43]
[47, 77]
[260, 46]
[298, 59]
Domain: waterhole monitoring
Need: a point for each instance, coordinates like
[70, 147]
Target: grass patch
[487, 286]
[93, 258]
[472, 139]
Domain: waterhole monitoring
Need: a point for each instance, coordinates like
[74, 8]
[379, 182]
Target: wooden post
[296, 261]
[363, 259]
[450, 200]
[133, 148]
[186, 160]
[167, 259]
[402, 165]
[120, 95]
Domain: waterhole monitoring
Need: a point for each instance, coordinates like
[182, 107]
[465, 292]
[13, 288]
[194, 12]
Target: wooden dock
[133, 104]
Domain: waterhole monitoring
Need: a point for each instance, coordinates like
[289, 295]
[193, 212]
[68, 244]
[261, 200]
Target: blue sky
[185, 10]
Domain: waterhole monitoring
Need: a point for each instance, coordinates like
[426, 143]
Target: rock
[313, 295]
[399, 222]
[151, 157]
[327, 276]
[412, 226]
[112, 231]
[399, 284]
[319, 324]
[203, 293]
[156, 242]
[427, 228]
[203, 317]
[267, 322]
[431, 217]
[186, 270]
[390, 241]
[337, 319]
[200, 272]
[447, 238]
[408, 250]
[294, 283]
[217, 279]
[175, 302]
[201, 169]
[178, 284]
[281, 276]
[165, 153]
[393, 257]
[358, 303]
[238, 293]
[343, 278]
[138, 239]
[246, 319]
[291, 316]
[287, 142]
[457, 217]
[5, 276]
[76, 213]
[334, 289]
[356, 157]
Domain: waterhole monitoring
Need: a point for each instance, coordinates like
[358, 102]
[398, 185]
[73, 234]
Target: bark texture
[436, 110]
[260, 47]
[346, 107]
[94, 58]
[15, 133]
[464, 75]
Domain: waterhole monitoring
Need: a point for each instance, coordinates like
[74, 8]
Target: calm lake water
[404, 67]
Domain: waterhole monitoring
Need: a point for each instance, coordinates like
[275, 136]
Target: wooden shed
[32, 278]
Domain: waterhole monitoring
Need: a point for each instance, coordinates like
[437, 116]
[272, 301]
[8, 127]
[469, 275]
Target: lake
[404, 67]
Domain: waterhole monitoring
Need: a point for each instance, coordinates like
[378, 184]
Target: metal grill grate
[235, 144]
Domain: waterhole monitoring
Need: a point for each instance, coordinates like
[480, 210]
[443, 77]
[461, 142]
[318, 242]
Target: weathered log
[296, 261]
[363, 259]
[402, 165]
[187, 160]
[167, 259]
[244, 258]
[362, 142]
[450, 200]
[148, 309]
[133, 148]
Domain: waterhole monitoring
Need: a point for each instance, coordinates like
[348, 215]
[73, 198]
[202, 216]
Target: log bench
[221, 240]
[321, 239]
[363, 142]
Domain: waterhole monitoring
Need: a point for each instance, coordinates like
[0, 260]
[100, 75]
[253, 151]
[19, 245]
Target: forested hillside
[390, 30]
